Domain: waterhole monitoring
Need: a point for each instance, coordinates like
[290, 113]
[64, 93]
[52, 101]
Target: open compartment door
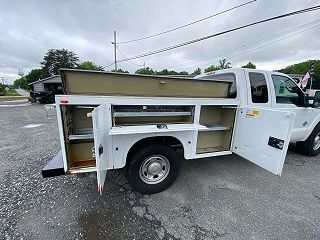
[101, 118]
[262, 136]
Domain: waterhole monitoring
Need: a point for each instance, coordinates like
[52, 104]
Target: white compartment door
[101, 118]
[262, 136]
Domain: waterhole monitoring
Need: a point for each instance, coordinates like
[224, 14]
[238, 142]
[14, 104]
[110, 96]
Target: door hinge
[93, 150]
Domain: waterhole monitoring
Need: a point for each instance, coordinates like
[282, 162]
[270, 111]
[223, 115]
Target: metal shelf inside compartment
[201, 150]
[214, 127]
[151, 113]
[74, 137]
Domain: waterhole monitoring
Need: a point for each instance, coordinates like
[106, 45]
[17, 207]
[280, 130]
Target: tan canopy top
[83, 82]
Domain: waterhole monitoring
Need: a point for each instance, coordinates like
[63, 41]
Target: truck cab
[275, 90]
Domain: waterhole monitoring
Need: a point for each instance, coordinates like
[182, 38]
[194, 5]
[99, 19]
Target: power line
[257, 48]
[220, 33]
[194, 62]
[292, 35]
[188, 24]
[110, 64]
[254, 49]
[139, 65]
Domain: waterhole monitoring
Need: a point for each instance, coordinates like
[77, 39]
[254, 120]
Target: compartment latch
[100, 150]
[276, 143]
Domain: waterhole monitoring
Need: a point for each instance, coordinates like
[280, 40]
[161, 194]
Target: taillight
[63, 101]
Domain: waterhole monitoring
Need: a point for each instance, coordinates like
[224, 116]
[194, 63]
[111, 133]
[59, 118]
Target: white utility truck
[137, 122]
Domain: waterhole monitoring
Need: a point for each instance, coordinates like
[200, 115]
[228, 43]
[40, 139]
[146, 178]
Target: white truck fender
[311, 127]
[122, 155]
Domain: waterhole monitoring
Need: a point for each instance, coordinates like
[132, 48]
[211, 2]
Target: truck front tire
[153, 168]
[311, 146]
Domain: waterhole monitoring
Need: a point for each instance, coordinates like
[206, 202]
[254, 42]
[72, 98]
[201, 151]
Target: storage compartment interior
[78, 135]
[126, 115]
[214, 133]
[213, 141]
[216, 127]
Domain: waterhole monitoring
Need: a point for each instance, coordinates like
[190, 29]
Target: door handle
[100, 150]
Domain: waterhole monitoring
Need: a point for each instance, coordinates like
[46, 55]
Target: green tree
[35, 75]
[88, 65]
[223, 64]
[21, 83]
[183, 73]
[196, 72]
[2, 89]
[150, 71]
[302, 68]
[170, 72]
[211, 68]
[146, 71]
[119, 70]
[166, 72]
[55, 59]
[249, 65]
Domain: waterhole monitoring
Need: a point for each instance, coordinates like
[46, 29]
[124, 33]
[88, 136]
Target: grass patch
[10, 92]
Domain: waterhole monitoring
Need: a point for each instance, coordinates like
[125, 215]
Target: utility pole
[144, 65]
[115, 49]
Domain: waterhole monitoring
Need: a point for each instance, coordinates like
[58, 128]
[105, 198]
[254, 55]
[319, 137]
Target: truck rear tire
[311, 146]
[153, 168]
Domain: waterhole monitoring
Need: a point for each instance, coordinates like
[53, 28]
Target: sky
[30, 28]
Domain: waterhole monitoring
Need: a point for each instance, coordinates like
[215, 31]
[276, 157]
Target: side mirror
[316, 100]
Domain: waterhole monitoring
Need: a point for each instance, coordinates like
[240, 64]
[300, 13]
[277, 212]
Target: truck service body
[110, 121]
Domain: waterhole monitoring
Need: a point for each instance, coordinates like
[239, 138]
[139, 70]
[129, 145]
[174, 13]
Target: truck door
[289, 97]
[262, 136]
[101, 118]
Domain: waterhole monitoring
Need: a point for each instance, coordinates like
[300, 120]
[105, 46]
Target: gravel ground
[225, 198]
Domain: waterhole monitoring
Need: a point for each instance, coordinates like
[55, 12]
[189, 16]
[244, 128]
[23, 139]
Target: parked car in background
[44, 90]
[45, 96]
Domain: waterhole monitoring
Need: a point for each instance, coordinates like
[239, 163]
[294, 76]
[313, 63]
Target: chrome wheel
[316, 142]
[154, 169]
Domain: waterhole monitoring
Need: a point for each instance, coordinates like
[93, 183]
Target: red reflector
[63, 101]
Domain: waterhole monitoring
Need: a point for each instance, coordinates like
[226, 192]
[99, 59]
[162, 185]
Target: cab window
[258, 86]
[286, 91]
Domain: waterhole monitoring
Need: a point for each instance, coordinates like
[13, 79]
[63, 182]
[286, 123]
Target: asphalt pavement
[218, 198]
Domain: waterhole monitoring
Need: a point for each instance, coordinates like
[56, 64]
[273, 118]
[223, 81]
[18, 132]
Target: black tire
[137, 177]
[307, 147]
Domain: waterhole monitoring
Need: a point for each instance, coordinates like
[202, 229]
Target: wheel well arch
[173, 142]
[315, 124]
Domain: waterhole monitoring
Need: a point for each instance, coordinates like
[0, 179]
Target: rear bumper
[54, 167]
